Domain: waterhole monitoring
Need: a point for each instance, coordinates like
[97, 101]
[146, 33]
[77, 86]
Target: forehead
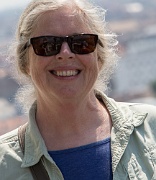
[60, 22]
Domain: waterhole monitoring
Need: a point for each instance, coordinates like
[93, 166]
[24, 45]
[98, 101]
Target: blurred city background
[133, 81]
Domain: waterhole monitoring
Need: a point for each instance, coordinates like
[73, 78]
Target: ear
[27, 65]
[100, 64]
[27, 70]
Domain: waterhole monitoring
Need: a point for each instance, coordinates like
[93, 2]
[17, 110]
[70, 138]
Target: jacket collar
[124, 121]
[34, 144]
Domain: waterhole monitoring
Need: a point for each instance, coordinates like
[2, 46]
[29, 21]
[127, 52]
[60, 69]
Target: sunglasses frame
[67, 39]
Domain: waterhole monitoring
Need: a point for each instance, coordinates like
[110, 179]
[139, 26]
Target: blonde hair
[92, 16]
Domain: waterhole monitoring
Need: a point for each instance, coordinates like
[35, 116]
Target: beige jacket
[133, 144]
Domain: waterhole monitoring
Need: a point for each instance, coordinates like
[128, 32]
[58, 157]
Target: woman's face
[65, 75]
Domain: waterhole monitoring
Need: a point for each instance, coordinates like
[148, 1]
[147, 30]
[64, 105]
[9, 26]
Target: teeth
[66, 73]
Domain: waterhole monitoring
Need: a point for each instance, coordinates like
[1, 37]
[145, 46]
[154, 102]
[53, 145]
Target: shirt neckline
[81, 148]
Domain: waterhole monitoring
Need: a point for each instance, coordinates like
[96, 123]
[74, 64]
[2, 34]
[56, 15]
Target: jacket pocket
[135, 171]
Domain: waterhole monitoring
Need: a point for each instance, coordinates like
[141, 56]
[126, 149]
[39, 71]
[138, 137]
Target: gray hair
[92, 16]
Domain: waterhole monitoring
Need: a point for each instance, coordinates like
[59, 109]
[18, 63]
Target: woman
[65, 52]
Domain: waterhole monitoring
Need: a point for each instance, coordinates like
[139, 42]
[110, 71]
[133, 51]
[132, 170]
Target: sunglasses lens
[46, 45]
[51, 45]
[84, 43]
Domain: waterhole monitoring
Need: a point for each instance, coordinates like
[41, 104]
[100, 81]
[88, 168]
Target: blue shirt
[88, 162]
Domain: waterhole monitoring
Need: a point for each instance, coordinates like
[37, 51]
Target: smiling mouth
[67, 73]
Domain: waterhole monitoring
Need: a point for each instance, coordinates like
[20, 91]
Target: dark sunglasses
[51, 45]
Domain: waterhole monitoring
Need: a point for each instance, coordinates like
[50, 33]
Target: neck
[69, 118]
[66, 111]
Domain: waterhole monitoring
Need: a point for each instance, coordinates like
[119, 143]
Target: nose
[65, 52]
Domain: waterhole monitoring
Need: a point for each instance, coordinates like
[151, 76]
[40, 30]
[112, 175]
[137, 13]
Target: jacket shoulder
[9, 142]
[143, 107]
[9, 137]
[149, 111]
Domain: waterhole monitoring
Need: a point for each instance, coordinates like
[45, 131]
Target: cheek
[34, 66]
[94, 63]
[90, 61]
[92, 66]
[35, 63]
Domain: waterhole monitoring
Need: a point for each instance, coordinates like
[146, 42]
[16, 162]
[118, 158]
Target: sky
[7, 4]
